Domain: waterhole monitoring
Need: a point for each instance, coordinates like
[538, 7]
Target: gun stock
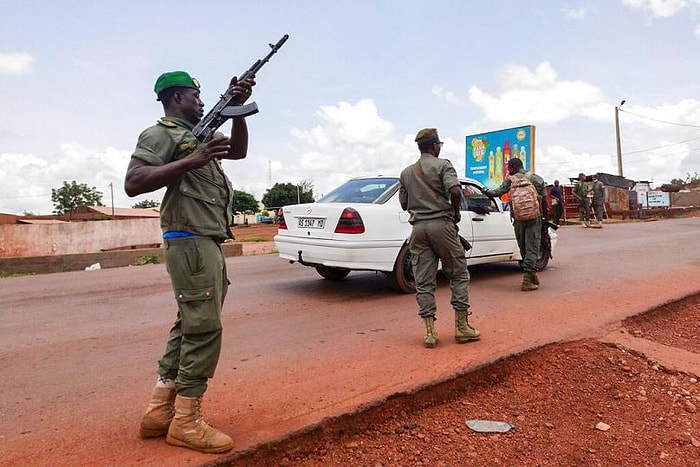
[225, 108]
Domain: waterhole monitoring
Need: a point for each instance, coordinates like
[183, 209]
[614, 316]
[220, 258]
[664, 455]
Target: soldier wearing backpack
[528, 205]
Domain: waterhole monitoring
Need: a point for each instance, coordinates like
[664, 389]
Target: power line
[661, 147]
[660, 121]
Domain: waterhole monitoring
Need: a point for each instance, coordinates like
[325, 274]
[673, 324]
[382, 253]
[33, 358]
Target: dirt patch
[669, 325]
[246, 233]
[579, 403]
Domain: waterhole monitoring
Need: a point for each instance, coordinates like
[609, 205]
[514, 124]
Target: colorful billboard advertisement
[488, 153]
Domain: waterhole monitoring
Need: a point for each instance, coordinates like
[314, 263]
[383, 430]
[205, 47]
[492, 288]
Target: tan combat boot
[528, 284]
[188, 428]
[431, 339]
[463, 331]
[533, 277]
[160, 412]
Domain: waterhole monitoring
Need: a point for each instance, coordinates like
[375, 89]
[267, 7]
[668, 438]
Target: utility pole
[111, 190]
[617, 135]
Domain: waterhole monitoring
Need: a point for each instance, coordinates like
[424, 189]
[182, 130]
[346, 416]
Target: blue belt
[176, 234]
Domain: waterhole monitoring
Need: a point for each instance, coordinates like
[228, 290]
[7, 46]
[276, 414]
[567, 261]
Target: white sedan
[360, 226]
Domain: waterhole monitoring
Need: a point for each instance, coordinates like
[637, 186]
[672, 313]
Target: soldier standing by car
[431, 192]
[528, 233]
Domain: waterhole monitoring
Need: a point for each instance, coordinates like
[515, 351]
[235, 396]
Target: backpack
[524, 199]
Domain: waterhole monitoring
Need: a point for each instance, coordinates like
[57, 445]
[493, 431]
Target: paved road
[78, 350]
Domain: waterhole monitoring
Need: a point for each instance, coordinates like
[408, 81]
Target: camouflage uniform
[584, 208]
[434, 233]
[598, 198]
[199, 204]
[527, 233]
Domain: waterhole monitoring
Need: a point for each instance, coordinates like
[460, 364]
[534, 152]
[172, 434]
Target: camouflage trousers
[584, 211]
[432, 241]
[529, 237]
[598, 209]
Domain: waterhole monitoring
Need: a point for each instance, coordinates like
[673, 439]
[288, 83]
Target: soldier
[580, 193]
[195, 216]
[430, 191]
[528, 233]
[598, 199]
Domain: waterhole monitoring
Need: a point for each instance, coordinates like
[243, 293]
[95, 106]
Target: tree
[688, 179]
[244, 202]
[282, 194]
[146, 203]
[72, 195]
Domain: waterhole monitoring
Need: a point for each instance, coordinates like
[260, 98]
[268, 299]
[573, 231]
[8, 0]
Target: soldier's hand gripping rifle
[225, 108]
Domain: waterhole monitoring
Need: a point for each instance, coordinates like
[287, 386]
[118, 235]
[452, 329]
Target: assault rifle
[225, 109]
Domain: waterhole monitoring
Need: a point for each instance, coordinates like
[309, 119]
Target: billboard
[488, 153]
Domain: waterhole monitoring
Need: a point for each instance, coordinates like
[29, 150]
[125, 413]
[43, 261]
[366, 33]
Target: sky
[347, 93]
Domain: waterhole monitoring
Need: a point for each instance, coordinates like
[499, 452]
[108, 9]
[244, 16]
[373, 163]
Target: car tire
[401, 278]
[332, 274]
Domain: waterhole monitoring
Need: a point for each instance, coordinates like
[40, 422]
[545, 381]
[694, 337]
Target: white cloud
[538, 96]
[448, 96]
[17, 63]
[556, 162]
[659, 8]
[575, 13]
[350, 140]
[697, 31]
[29, 178]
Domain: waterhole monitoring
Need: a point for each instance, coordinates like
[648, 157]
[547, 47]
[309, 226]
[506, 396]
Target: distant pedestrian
[557, 202]
[580, 193]
[431, 192]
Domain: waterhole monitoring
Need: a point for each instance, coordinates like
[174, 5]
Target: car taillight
[350, 222]
[281, 224]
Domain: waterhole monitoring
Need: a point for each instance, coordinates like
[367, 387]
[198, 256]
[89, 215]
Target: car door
[491, 228]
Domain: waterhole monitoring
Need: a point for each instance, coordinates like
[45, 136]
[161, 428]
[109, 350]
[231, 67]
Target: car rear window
[364, 190]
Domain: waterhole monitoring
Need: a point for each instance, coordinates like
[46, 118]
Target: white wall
[76, 237]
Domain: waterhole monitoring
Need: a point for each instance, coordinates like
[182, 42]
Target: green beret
[426, 135]
[172, 79]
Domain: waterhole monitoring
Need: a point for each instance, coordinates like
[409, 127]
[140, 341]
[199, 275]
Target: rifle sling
[419, 171]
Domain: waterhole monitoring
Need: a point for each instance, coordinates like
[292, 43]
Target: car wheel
[401, 278]
[332, 274]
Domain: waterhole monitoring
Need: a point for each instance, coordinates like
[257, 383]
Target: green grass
[4, 274]
[256, 239]
[148, 259]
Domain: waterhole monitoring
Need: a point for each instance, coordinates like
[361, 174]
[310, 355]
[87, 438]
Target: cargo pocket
[198, 311]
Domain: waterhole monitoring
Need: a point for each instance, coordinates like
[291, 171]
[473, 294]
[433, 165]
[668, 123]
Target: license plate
[311, 223]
